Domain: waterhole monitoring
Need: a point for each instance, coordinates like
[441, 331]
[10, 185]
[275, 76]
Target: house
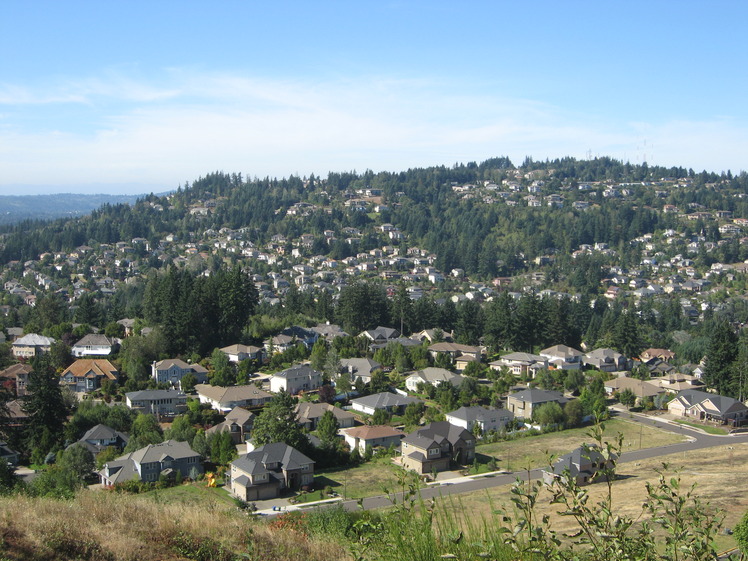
[431, 375]
[708, 407]
[95, 344]
[606, 360]
[359, 368]
[100, 437]
[301, 335]
[675, 382]
[238, 424]
[454, 350]
[31, 345]
[329, 331]
[264, 472]
[372, 436]
[380, 336]
[523, 404]
[581, 465]
[436, 447]
[226, 399]
[308, 415]
[391, 402]
[157, 402]
[641, 388]
[147, 464]
[299, 378]
[563, 357]
[172, 370]
[238, 353]
[18, 374]
[486, 419]
[521, 364]
[86, 374]
[662, 354]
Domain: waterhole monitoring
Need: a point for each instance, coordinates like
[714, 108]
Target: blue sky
[141, 96]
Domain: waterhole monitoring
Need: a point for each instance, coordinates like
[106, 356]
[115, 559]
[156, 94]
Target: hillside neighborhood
[262, 361]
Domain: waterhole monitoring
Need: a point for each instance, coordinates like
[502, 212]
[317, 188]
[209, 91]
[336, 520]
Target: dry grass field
[113, 527]
[719, 473]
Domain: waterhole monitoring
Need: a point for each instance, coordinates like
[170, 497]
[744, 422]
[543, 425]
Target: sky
[141, 96]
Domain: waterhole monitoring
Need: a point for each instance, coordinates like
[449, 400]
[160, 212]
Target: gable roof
[232, 393]
[33, 340]
[298, 371]
[95, 339]
[711, 402]
[307, 411]
[384, 399]
[371, 432]
[437, 432]
[579, 461]
[92, 368]
[478, 413]
[561, 351]
[103, 432]
[182, 365]
[534, 395]
[276, 453]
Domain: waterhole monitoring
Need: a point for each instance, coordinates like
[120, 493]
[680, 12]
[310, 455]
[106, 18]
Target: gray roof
[298, 370]
[535, 395]
[277, 453]
[384, 399]
[102, 432]
[478, 413]
[437, 432]
[96, 339]
[34, 340]
[579, 461]
[155, 394]
[721, 402]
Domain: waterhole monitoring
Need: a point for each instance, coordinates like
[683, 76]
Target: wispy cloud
[186, 124]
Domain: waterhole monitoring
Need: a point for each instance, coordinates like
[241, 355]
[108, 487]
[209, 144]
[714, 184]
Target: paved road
[697, 440]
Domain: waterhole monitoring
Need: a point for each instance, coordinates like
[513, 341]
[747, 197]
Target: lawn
[533, 451]
[706, 428]
[191, 494]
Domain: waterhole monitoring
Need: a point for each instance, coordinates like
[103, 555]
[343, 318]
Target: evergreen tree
[722, 353]
[327, 430]
[45, 407]
[277, 423]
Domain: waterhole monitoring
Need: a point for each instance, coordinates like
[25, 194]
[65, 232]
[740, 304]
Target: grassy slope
[107, 526]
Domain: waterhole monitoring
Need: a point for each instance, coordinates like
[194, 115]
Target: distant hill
[14, 208]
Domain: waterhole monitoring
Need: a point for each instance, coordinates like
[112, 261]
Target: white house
[298, 378]
[487, 419]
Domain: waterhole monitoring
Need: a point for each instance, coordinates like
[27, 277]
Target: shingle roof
[534, 395]
[278, 452]
[33, 340]
[370, 432]
[384, 399]
[478, 413]
[231, 393]
[91, 368]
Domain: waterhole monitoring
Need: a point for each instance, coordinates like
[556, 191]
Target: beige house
[308, 414]
[266, 471]
[31, 345]
[375, 436]
[436, 447]
[226, 399]
[708, 407]
[238, 424]
[524, 403]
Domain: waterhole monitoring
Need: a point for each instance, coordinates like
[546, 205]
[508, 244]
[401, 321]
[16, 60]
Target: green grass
[706, 428]
[191, 494]
[533, 451]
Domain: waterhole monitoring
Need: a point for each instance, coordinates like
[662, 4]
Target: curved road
[697, 441]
